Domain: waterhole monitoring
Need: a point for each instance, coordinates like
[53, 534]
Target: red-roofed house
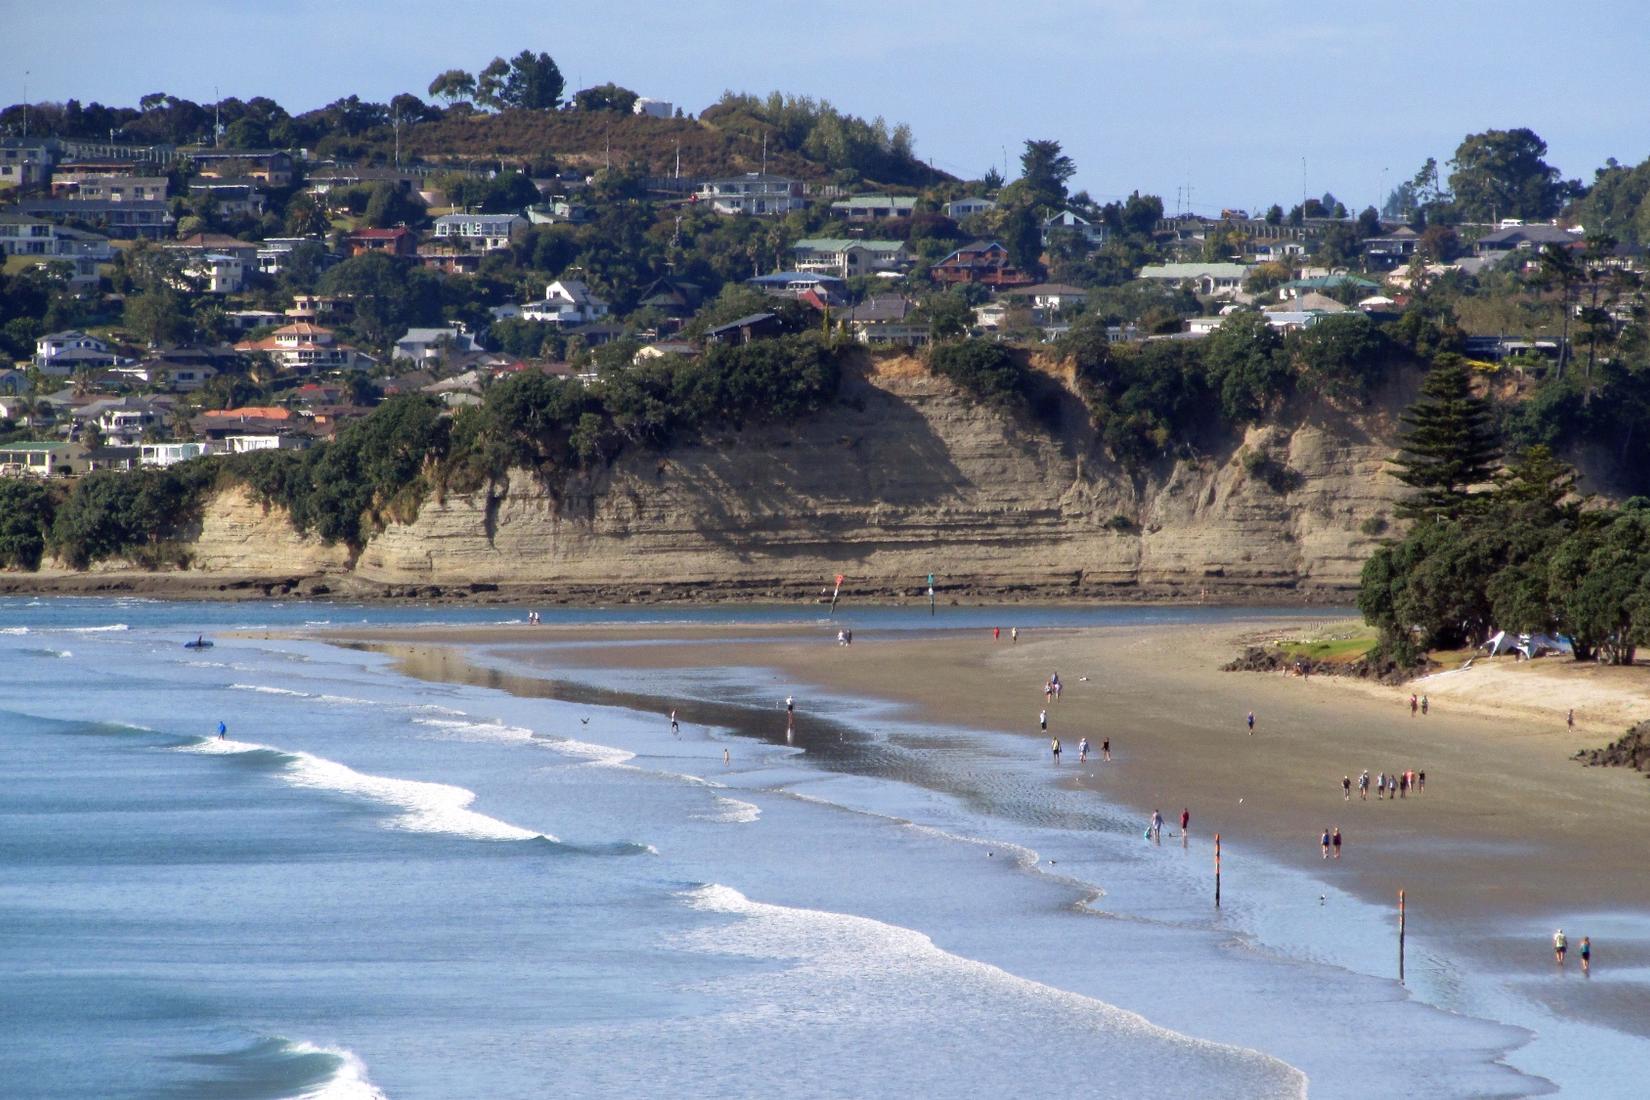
[399, 241]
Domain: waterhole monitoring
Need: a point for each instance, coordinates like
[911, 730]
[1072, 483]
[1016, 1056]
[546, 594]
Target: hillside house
[826, 289]
[482, 232]
[874, 208]
[985, 263]
[303, 348]
[268, 166]
[131, 219]
[1072, 224]
[235, 197]
[1050, 298]
[743, 330]
[423, 345]
[1208, 280]
[1524, 237]
[42, 459]
[846, 257]
[958, 209]
[111, 189]
[752, 193]
[399, 241]
[566, 302]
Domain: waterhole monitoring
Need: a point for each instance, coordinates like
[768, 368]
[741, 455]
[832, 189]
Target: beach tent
[1526, 645]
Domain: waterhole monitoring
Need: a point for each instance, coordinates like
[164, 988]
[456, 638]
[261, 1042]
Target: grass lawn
[1339, 643]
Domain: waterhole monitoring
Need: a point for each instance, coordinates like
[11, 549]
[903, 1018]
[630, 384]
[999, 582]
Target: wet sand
[1510, 832]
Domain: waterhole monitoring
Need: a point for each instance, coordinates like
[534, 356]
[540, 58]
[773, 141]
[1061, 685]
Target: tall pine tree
[1448, 444]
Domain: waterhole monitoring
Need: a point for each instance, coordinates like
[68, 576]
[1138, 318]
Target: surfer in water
[223, 731]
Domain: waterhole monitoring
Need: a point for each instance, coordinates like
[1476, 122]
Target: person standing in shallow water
[1586, 954]
[1054, 747]
[1042, 720]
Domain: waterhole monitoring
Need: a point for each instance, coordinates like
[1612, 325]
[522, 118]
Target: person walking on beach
[1413, 704]
[1560, 945]
[1570, 720]
[1403, 785]
[1423, 704]
[1346, 787]
[724, 758]
[1054, 747]
[1185, 820]
[1105, 748]
[675, 727]
[996, 633]
[1335, 841]
[1586, 954]
[1157, 826]
[1324, 842]
[1054, 682]
[1042, 720]
[1083, 750]
[1251, 721]
[790, 712]
[1363, 786]
[1013, 634]
[1420, 781]
[1048, 692]
[1380, 786]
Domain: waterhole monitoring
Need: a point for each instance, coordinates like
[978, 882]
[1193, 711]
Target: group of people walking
[1397, 785]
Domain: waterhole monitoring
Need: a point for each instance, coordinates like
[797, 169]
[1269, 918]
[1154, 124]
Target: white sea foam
[348, 1082]
[95, 629]
[263, 689]
[14, 630]
[595, 754]
[737, 812]
[424, 807]
[843, 967]
[458, 729]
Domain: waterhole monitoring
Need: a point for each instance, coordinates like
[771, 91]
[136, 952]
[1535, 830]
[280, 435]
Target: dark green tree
[1246, 366]
[454, 85]
[1044, 170]
[1448, 444]
[1501, 174]
[26, 508]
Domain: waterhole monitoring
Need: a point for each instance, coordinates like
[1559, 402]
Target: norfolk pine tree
[1448, 444]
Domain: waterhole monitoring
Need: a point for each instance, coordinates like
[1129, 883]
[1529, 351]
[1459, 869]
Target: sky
[1239, 103]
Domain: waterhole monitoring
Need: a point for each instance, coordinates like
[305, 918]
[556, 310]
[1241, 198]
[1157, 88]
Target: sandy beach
[1509, 832]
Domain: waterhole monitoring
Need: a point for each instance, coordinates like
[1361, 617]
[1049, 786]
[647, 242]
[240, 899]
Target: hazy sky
[1226, 98]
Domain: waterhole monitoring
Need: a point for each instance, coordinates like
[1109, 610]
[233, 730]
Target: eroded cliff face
[903, 477]
[240, 535]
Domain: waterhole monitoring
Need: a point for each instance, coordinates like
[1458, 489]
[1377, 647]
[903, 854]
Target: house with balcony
[83, 251]
[752, 193]
[983, 263]
[25, 164]
[304, 349]
[846, 257]
[874, 208]
[1050, 299]
[480, 232]
[399, 241]
[271, 167]
[566, 302]
[1514, 238]
[1072, 224]
[130, 219]
[234, 197]
[112, 189]
[170, 454]
[810, 287]
[82, 348]
[321, 309]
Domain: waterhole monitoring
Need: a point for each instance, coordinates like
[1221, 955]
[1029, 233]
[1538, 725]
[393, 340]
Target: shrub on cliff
[986, 370]
[113, 514]
[26, 509]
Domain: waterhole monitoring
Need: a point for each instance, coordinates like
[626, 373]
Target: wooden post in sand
[1400, 937]
[1217, 870]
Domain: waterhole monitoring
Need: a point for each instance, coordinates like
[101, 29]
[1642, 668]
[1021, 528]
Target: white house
[1051, 297]
[423, 344]
[752, 193]
[1075, 223]
[958, 209]
[866, 208]
[217, 272]
[566, 302]
[304, 348]
[170, 454]
[654, 108]
[486, 232]
[845, 257]
[55, 344]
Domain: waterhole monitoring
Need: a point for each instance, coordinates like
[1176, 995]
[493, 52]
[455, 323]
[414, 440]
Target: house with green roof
[1326, 284]
[42, 459]
[848, 256]
[870, 208]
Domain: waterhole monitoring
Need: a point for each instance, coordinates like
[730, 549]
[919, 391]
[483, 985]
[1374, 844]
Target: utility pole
[217, 126]
[25, 104]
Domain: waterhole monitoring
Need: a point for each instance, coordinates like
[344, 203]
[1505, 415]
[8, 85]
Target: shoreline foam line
[424, 807]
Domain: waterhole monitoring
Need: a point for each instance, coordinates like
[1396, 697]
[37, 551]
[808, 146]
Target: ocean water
[378, 886]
